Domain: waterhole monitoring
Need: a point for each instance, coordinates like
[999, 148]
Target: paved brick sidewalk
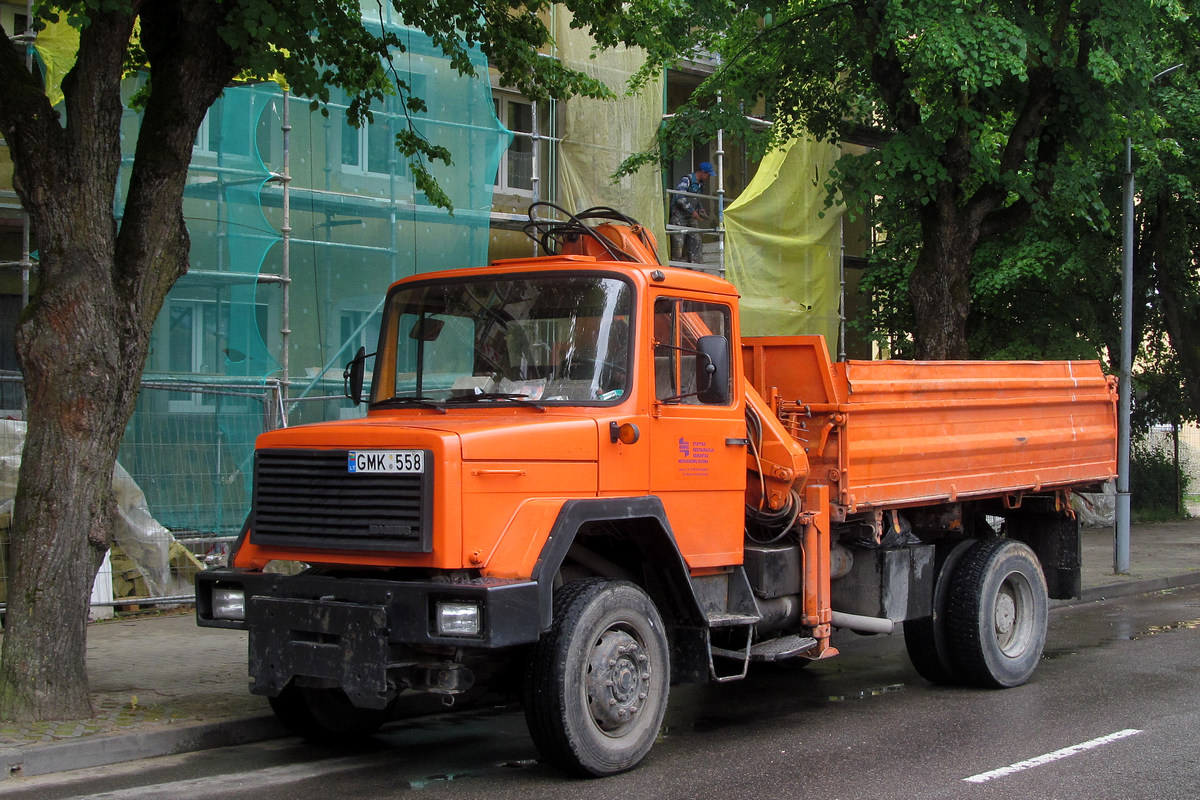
[1160, 555]
[156, 677]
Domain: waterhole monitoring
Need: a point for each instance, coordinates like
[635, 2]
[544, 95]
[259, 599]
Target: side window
[678, 325]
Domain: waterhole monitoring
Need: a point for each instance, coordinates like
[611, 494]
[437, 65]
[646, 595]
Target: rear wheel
[597, 684]
[925, 638]
[325, 716]
[996, 614]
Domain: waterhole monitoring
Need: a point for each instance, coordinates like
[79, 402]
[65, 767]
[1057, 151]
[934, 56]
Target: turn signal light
[625, 433]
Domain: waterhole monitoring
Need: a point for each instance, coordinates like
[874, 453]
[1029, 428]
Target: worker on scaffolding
[686, 210]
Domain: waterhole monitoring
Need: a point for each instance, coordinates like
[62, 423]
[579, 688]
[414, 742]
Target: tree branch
[191, 64]
[28, 123]
[888, 71]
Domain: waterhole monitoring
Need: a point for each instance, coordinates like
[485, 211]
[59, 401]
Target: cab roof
[642, 274]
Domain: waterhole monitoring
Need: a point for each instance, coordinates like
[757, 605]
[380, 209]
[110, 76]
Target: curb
[1142, 586]
[102, 750]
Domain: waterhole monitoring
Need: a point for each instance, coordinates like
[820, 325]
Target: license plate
[410, 461]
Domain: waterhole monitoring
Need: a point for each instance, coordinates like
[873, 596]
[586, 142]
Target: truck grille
[307, 498]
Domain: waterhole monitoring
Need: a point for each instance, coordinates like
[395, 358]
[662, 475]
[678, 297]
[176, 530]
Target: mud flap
[344, 645]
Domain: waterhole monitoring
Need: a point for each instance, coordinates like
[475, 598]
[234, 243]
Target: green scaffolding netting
[356, 223]
[783, 246]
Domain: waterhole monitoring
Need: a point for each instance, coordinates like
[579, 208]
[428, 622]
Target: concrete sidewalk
[161, 685]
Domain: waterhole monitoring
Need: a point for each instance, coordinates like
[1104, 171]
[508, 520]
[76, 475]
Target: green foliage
[888, 320]
[1046, 290]
[320, 45]
[983, 118]
[1167, 153]
[1152, 480]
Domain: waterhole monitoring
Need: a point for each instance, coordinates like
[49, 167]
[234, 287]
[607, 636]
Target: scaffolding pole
[26, 251]
[285, 326]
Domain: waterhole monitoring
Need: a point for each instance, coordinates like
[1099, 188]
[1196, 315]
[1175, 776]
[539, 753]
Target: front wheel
[996, 613]
[597, 684]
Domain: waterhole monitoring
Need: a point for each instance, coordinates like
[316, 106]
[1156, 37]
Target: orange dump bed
[895, 433]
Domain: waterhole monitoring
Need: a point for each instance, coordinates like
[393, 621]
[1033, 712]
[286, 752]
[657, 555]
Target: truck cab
[531, 424]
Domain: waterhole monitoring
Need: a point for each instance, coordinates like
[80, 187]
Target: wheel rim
[617, 681]
[1012, 618]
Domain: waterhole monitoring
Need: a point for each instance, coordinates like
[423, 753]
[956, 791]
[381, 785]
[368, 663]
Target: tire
[597, 684]
[996, 614]
[326, 716]
[925, 638]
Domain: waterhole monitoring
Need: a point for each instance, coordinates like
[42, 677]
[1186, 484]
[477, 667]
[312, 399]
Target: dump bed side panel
[896, 433]
[929, 431]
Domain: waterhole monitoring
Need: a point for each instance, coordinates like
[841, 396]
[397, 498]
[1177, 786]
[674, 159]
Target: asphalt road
[1112, 712]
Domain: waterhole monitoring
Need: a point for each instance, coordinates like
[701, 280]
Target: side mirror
[352, 376]
[712, 370]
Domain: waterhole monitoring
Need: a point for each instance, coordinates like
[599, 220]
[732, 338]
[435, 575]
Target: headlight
[228, 603]
[458, 619]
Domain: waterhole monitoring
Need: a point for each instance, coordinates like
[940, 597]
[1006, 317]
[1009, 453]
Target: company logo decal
[693, 457]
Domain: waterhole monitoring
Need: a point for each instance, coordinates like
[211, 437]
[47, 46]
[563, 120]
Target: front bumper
[341, 630]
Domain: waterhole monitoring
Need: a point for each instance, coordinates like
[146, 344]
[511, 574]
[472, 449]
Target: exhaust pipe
[857, 622]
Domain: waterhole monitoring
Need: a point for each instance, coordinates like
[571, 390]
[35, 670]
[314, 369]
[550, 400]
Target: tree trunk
[940, 285]
[83, 340]
[1165, 247]
[69, 348]
[79, 389]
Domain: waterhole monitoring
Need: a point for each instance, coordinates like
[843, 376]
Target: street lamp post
[1125, 389]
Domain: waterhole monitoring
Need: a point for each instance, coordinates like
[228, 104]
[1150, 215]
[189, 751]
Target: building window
[515, 175]
[191, 348]
[359, 329]
[228, 129]
[199, 339]
[371, 148]
[205, 141]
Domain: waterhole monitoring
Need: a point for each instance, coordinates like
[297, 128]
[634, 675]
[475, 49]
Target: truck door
[698, 461]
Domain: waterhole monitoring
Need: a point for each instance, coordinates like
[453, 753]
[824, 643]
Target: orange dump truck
[575, 477]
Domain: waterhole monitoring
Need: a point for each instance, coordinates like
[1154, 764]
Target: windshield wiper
[516, 397]
[423, 402]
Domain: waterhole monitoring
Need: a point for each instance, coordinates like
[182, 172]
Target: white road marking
[217, 785]
[1037, 761]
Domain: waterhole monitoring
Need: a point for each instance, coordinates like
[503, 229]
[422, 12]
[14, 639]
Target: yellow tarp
[597, 135]
[782, 253]
[57, 46]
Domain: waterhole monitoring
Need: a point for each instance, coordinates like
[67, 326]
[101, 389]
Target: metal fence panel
[189, 448]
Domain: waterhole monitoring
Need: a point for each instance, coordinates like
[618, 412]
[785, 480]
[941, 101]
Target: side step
[782, 648]
[728, 605]
[742, 656]
[716, 620]
[771, 650]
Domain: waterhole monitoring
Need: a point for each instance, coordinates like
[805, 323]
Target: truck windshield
[544, 339]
